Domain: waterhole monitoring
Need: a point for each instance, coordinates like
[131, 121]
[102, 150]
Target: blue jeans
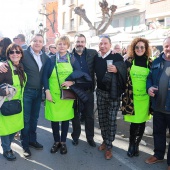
[56, 130]
[160, 123]
[31, 103]
[6, 142]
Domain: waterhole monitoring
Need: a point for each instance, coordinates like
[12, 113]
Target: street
[82, 156]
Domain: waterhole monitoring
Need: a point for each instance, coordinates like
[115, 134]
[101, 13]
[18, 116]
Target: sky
[16, 16]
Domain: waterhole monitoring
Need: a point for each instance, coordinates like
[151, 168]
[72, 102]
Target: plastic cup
[109, 62]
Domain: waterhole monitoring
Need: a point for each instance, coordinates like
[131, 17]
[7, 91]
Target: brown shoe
[108, 154]
[152, 160]
[102, 147]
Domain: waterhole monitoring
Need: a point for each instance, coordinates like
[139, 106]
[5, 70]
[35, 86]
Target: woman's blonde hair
[64, 39]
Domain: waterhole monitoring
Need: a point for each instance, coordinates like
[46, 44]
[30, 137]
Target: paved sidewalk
[81, 157]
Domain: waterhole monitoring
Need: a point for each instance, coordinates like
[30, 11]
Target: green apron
[13, 123]
[140, 97]
[61, 110]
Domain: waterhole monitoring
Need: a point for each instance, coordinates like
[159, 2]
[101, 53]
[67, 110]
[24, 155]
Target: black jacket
[116, 82]
[80, 92]
[90, 54]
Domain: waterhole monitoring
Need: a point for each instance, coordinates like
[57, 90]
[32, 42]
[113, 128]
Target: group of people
[136, 80]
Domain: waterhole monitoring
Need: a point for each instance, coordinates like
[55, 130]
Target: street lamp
[42, 30]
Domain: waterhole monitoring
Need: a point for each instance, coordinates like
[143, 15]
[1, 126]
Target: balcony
[128, 6]
[69, 27]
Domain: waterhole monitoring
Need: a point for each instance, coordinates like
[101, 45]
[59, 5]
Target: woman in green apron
[15, 76]
[56, 70]
[135, 100]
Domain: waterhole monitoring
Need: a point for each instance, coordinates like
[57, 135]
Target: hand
[3, 67]
[67, 83]
[48, 96]
[112, 68]
[114, 52]
[151, 91]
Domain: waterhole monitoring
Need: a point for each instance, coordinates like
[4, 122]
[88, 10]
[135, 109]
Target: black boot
[138, 139]
[131, 149]
[139, 135]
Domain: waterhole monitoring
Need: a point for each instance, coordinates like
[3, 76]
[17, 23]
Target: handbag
[65, 94]
[11, 107]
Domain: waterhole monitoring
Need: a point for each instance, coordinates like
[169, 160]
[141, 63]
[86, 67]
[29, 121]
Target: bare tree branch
[105, 14]
[51, 22]
[113, 9]
[82, 13]
[105, 10]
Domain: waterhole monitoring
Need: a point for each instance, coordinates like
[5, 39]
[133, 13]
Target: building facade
[133, 18]
[48, 19]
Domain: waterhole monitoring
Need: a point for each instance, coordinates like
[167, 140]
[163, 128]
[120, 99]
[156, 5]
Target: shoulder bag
[65, 94]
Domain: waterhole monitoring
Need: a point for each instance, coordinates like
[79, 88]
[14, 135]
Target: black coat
[83, 77]
[116, 83]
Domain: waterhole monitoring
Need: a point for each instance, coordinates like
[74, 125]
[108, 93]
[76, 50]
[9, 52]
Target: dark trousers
[31, 104]
[137, 129]
[56, 130]
[107, 113]
[89, 119]
[160, 123]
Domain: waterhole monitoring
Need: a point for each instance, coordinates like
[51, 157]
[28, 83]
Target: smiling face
[140, 48]
[104, 45]
[166, 48]
[37, 43]
[15, 56]
[79, 43]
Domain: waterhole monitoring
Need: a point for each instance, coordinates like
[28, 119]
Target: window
[64, 17]
[131, 23]
[80, 21]
[72, 19]
[72, 24]
[72, 13]
[115, 23]
[64, 2]
[96, 24]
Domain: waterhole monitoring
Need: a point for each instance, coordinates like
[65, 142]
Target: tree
[51, 21]
[102, 27]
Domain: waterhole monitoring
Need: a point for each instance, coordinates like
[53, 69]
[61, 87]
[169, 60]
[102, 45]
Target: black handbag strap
[57, 77]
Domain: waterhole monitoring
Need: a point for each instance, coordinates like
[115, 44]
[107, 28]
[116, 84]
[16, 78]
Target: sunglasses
[139, 47]
[16, 52]
[104, 36]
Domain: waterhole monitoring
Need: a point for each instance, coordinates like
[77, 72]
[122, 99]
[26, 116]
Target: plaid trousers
[107, 113]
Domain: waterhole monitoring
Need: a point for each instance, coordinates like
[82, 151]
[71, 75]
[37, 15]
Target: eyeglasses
[53, 47]
[16, 52]
[139, 47]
